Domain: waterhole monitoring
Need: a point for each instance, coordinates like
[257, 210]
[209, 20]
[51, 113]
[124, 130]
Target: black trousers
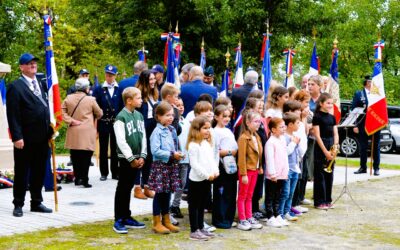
[197, 198]
[29, 162]
[142, 176]
[224, 199]
[300, 191]
[123, 192]
[272, 196]
[363, 139]
[81, 162]
[104, 138]
[323, 181]
[161, 203]
[258, 192]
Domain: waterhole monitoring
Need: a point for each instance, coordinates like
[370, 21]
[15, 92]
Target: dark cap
[158, 68]
[26, 58]
[209, 71]
[83, 71]
[366, 79]
[111, 69]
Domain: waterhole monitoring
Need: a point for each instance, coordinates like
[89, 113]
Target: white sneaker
[301, 209]
[244, 225]
[209, 228]
[282, 221]
[234, 224]
[290, 218]
[272, 222]
[305, 202]
[173, 220]
[254, 223]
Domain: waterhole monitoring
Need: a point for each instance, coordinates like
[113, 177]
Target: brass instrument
[334, 150]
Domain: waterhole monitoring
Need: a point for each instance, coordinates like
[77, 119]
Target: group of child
[206, 157]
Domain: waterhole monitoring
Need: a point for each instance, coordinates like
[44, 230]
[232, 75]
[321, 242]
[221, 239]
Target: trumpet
[334, 151]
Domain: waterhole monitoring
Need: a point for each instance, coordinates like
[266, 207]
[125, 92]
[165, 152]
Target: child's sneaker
[176, 212]
[321, 207]
[198, 236]
[293, 214]
[234, 224]
[173, 220]
[272, 222]
[132, 223]
[301, 209]
[206, 233]
[282, 221]
[305, 202]
[296, 212]
[208, 227]
[244, 225]
[329, 205]
[254, 223]
[119, 227]
[290, 218]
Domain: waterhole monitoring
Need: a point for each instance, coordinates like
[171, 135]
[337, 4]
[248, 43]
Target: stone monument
[6, 146]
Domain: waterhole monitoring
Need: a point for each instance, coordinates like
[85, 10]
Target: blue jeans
[289, 185]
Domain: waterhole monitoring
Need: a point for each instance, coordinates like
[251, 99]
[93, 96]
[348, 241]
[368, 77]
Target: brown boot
[167, 223]
[138, 193]
[158, 227]
[148, 192]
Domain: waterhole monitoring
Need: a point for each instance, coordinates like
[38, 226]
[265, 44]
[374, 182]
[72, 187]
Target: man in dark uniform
[109, 98]
[29, 122]
[360, 100]
[159, 74]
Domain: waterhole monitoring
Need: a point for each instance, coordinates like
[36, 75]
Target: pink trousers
[244, 202]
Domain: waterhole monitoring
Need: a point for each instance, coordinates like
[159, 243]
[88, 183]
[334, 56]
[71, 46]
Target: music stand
[350, 121]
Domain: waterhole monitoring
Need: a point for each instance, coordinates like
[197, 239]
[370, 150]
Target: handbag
[229, 163]
[73, 112]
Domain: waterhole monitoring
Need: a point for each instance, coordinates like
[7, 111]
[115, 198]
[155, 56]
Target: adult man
[138, 67]
[239, 95]
[360, 100]
[304, 81]
[108, 96]
[184, 76]
[209, 77]
[29, 122]
[159, 74]
[191, 91]
[83, 73]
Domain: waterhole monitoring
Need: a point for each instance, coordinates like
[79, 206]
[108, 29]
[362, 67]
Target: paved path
[98, 203]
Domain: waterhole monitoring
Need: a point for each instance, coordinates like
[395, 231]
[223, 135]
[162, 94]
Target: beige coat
[83, 136]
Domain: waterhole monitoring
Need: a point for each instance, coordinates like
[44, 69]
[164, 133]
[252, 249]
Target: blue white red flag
[170, 60]
[142, 54]
[333, 88]
[203, 58]
[238, 81]
[289, 79]
[225, 83]
[266, 70]
[51, 75]
[3, 106]
[6, 181]
[377, 116]
[314, 64]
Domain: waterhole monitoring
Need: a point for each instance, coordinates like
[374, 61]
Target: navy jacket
[191, 91]
[28, 115]
[240, 95]
[105, 124]
[128, 82]
[360, 100]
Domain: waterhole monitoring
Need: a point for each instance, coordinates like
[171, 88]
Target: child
[252, 104]
[132, 150]
[279, 96]
[294, 151]
[250, 165]
[204, 169]
[277, 171]
[164, 173]
[170, 93]
[225, 187]
[326, 136]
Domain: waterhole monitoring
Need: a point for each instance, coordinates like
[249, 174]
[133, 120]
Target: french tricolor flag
[377, 116]
[289, 80]
[314, 64]
[333, 88]
[239, 80]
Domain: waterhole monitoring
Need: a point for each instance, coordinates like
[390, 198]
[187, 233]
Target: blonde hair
[194, 132]
[248, 116]
[130, 93]
[169, 89]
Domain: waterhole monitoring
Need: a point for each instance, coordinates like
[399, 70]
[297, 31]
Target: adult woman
[147, 86]
[79, 112]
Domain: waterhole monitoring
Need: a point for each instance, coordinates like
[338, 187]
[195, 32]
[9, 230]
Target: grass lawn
[344, 227]
[355, 162]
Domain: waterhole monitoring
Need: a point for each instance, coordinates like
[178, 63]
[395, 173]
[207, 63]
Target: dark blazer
[360, 100]
[191, 91]
[105, 124]
[240, 95]
[28, 115]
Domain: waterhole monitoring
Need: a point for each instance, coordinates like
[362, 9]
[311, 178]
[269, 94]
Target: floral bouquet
[6, 179]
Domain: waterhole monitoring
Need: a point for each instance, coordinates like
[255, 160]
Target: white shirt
[204, 161]
[225, 139]
[271, 112]
[150, 107]
[110, 87]
[31, 87]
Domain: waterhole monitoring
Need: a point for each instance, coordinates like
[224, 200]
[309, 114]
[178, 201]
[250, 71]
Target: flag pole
[53, 156]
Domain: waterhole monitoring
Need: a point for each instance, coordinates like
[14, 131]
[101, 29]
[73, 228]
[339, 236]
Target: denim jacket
[163, 143]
